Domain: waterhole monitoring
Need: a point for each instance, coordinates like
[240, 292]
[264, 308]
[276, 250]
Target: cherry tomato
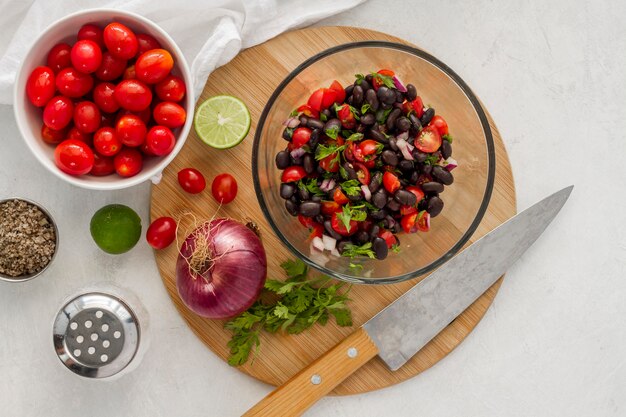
[73, 157]
[131, 130]
[144, 115]
[146, 43]
[224, 188]
[161, 232]
[106, 142]
[72, 83]
[51, 136]
[306, 221]
[340, 228]
[169, 114]
[330, 163]
[102, 165]
[153, 66]
[301, 136]
[103, 97]
[423, 221]
[345, 115]
[340, 93]
[91, 32]
[293, 173]
[329, 97]
[110, 68]
[348, 153]
[369, 148]
[362, 173]
[128, 162]
[160, 140]
[59, 57]
[428, 139]
[391, 182]
[40, 86]
[76, 134]
[87, 117]
[86, 56]
[408, 222]
[376, 82]
[133, 95]
[389, 238]
[317, 230]
[129, 74]
[330, 207]
[416, 105]
[58, 112]
[440, 124]
[404, 210]
[191, 180]
[120, 41]
[340, 197]
[171, 88]
[315, 101]
[308, 111]
[417, 191]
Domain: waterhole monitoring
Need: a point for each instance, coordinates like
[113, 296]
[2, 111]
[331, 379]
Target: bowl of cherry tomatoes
[104, 99]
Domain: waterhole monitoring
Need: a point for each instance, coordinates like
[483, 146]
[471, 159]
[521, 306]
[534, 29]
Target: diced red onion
[329, 242]
[317, 256]
[335, 252]
[292, 122]
[327, 185]
[366, 192]
[449, 163]
[399, 85]
[404, 148]
[427, 222]
[318, 243]
[298, 152]
[410, 146]
[403, 135]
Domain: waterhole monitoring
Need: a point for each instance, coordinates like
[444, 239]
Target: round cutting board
[252, 76]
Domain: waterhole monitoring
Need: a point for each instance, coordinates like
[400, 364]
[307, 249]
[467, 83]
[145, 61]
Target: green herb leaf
[332, 132]
[323, 117]
[395, 248]
[351, 187]
[356, 267]
[354, 137]
[381, 115]
[352, 251]
[385, 79]
[294, 113]
[431, 159]
[343, 172]
[365, 108]
[345, 216]
[343, 316]
[323, 151]
[447, 137]
[359, 78]
[355, 113]
[311, 186]
[289, 131]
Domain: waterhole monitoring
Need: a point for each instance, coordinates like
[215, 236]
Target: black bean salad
[364, 163]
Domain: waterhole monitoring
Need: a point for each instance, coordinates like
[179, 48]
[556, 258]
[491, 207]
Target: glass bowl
[465, 201]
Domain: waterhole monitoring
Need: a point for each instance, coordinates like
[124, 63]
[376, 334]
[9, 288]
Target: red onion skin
[236, 278]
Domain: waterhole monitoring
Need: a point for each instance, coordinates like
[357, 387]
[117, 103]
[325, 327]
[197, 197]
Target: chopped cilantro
[447, 137]
[351, 187]
[352, 251]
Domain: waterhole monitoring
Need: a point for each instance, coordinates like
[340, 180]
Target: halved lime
[222, 121]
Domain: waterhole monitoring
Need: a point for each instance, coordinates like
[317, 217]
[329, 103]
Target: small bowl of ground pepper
[29, 239]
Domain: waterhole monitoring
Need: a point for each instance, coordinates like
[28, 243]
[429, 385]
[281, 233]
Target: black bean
[315, 124]
[368, 119]
[379, 246]
[419, 156]
[442, 175]
[392, 204]
[331, 232]
[435, 205]
[384, 106]
[399, 96]
[403, 124]
[287, 134]
[406, 166]
[393, 145]
[295, 161]
[316, 198]
[415, 121]
[357, 96]
[349, 89]
[378, 214]
[391, 119]
[427, 169]
[382, 92]
[390, 221]
[303, 193]
[389, 157]
[432, 187]
[314, 139]
[320, 170]
[422, 205]
[303, 119]
[350, 100]
[369, 78]
[320, 218]
[308, 163]
[427, 116]
[292, 208]
[374, 232]
[397, 105]
[446, 149]
[341, 245]
[295, 198]
[411, 92]
[332, 125]
[389, 96]
[361, 128]
[405, 197]
[282, 160]
[379, 199]
[327, 113]
[375, 182]
[354, 198]
[414, 177]
[365, 85]
[378, 136]
[287, 190]
[361, 237]
[372, 100]
[350, 170]
[310, 208]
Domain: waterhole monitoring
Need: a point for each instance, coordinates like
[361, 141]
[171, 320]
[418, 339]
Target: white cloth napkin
[209, 32]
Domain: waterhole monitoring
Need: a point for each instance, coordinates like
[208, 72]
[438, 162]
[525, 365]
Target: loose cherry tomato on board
[301, 136]
[74, 133]
[40, 86]
[440, 124]
[388, 237]
[51, 136]
[73, 157]
[391, 182]
[128, 162]
[59, 57]
[340, 228]
[103, 97]
[87, 117]
[111, 67]
[131, 130]
[86, 56]
[423, 221]
[308, 111]
[306, 221]
[102, 165]
[377, 82]
[91, 32]
[191, 180]
[160, 140]
[171, 88]
[58, 112]
[106, 142]
[340, 93]
[161, 232]
[169, 114]
[428, 139]
[330, 207]
[340, 197]
[146, 43]
[120, 41]
[224, 188]
[362, 173]
[293, 173]
[72, 83]
[133, 95]
[153, 66]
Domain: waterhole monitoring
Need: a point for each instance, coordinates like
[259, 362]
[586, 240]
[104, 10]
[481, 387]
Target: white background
[553, 75]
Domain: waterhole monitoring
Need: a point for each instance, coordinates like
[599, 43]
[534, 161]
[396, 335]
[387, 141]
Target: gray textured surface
[552, 74]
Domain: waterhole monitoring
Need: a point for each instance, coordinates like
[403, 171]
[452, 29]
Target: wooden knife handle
[316, 380]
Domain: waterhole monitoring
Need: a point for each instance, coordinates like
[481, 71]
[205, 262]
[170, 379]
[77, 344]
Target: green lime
[115, 228]
[222, 121]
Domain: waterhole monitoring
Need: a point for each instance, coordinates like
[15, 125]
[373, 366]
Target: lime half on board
[222, 121]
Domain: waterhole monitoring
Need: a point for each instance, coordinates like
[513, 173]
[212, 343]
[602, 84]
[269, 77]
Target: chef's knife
[399, 331]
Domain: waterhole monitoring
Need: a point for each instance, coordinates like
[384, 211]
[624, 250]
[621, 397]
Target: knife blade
[401, 329]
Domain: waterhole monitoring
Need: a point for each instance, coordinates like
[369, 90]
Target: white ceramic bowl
[29, 117]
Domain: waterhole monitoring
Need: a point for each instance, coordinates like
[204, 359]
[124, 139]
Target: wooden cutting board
[253, 76]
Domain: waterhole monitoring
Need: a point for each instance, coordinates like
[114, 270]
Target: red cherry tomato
[86, 56]
[72, 83]
[40, 86]
[301, 136]
[153, 66]
[111, 67]
[315, 101]
[376, 82]
[160, 140]
[308, 111]
[120, 41]
[348, 153]
[391, 182]
[416, 105]
[103, 97]
[345, 115]
[317, 230]
[131, 130]
[330, 163]
[191, 180]
[417, 191]
[369, 148]
[340, 93]
[59, 57]
[58, 112]
[102, 165]
[129, 74]
[133, 95]
[73, 157]
[293, 173]
[362, 173]
[91, 32]
[169, 114]
[440, 124]
[224, 188]
[144, 115]
[76, 134]
[404, 210]
[340, 197]
[330, 207]
[87, 117]
[428, 139]
[340, 228]
[171, 88]
[106, 142]
[423, 221]
[329, 97]
[128, 162]
[408, 223]
[306, 221]
[161, 232]
[51, 136]
[389, 238]
[146, 43]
